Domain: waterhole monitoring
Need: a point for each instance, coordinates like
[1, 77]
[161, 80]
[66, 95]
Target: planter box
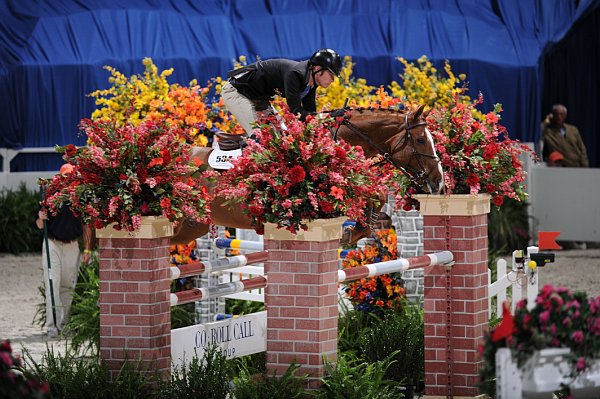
[318, 230]
[455, 204]
[152, 227]
[542, 374]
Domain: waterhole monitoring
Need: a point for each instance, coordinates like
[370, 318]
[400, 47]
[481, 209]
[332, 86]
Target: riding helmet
[327, 58]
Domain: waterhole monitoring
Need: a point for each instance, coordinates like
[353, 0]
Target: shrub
[18, 232]
[401, 333]
[351, 378]
[258, 386]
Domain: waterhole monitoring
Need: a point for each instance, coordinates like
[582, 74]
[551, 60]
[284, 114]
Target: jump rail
[232, 243]
[355, 273]
[196, 268]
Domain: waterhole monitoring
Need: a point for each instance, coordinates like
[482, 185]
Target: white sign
[238, 336]
[219, 159]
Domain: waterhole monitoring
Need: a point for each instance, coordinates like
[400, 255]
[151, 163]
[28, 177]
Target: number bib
[219, 159]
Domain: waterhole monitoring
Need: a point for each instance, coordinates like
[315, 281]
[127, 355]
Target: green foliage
[207, 378]
[508, 227]
[183, 315]
[240, 307]
[401, 333]
[353, 378]
[72, 376]
[83, 325]
[351, 326]
[18, 232]
[259, 386]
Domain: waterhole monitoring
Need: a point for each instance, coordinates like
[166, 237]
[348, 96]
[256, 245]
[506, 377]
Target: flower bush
[14, 381]
[378, 293]
[298, 174]
[560, 318]
[128, 172]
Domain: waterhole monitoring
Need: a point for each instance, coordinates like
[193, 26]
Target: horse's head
[401, 138]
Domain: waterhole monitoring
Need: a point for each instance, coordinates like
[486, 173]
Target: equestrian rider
[250, 89]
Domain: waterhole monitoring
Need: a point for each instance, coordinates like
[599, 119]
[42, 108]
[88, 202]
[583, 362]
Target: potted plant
[295, 173]
[562, 324]
[128, 172]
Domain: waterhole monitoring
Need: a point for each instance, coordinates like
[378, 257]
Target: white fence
[521, 277]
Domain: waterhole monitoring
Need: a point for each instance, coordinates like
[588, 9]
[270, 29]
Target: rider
[250, 88]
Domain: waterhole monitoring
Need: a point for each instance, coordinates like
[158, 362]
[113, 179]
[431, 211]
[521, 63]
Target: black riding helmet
[327, 58]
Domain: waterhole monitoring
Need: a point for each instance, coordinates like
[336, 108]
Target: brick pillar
[301, 298]
[135, 312]
[456, 298]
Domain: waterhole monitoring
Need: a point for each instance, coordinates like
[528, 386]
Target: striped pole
[200, 294]
[196, 268]
[394, 266]
[239, 244]
[350, 274]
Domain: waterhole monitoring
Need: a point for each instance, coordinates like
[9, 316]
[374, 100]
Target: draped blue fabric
[52, 51]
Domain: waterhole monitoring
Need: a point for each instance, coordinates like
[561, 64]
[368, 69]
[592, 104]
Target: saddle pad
[219, 159]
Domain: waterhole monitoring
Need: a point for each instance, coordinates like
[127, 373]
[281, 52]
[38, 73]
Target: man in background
[562, 143]
[64, 231]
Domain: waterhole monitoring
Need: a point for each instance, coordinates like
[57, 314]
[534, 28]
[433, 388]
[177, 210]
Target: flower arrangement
[128, 172]
[477, 156]
[182, 254]
[560, 318]
[422, 84]
[378, 293]
[299, 173]
[14, 383]
[131, 100]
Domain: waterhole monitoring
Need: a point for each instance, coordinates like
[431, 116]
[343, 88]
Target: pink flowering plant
[295, 172]
[15, 380]
[126, 172]
[476, 154]
[560, 318]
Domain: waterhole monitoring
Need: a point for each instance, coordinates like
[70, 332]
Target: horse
[399, 137]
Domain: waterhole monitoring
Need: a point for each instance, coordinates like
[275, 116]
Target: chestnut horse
[400, 137]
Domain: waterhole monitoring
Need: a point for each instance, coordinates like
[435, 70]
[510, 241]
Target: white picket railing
[518, 279]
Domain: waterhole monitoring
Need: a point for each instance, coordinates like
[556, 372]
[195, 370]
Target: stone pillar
[301, 298]
[456, 297]
[135, 311]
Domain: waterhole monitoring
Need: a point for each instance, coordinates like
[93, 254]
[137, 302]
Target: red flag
[505, 328]
[547, 240]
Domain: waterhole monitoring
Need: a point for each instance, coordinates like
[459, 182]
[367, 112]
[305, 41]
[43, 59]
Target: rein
[414, 175]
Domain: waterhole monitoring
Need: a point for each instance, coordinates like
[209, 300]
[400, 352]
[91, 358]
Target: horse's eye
[421, 141]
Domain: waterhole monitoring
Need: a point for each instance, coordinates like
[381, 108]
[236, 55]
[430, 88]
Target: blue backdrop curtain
[52, 51]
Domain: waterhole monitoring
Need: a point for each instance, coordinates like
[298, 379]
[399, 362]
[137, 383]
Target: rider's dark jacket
[261, 80]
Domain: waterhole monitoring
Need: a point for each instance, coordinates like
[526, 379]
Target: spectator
[562, 143]
[250, 88]
[64, 231]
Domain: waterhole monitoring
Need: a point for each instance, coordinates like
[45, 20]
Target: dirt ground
[20, 277]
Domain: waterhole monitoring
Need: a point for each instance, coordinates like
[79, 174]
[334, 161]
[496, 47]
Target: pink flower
[338, 193]
[581, 364]
[577, 336]
[544, 317]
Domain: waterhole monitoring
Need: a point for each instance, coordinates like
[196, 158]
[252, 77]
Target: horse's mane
[388, 110]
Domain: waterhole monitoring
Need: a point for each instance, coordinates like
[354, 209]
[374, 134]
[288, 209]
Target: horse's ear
[419, 112]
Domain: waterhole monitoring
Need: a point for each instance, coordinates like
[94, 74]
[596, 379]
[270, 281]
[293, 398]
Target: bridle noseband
[417, 176]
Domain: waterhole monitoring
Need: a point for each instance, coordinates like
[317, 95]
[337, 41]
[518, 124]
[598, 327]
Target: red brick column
[301, 298]
[135, 312]
[456, 298]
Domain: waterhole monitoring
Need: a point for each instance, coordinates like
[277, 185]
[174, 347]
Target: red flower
[70, 150]
[490, 151]
[498, 200]
[472, 179]
[155, 161]
[340, 153]
[326, 206]
[297, 174]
